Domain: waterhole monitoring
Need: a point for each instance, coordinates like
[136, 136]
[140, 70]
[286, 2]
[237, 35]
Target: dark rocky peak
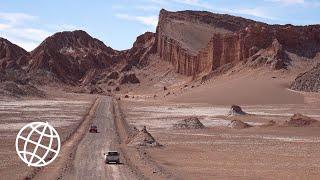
[11, 55]
[74, 43]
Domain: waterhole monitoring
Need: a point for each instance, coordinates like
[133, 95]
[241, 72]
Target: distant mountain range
[195, 43]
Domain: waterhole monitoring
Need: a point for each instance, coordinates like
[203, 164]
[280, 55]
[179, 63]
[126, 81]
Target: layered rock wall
[229, 40]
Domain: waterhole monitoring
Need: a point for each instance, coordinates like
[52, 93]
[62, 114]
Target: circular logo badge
[38, 144]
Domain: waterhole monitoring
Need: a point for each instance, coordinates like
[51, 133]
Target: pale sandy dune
[243, 90]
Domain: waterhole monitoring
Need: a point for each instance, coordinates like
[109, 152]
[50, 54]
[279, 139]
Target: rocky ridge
[12, 56]
[196, 43]
[228, 39]
[308, 81]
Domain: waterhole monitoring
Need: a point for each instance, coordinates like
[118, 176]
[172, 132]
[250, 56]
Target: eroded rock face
[308, 81]
[142, 48]
[181, 35]
[200, 42]
[189, 123]
[69, 55]
[11, 55]
[299, 120]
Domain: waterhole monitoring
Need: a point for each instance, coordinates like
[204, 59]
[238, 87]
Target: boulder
[189, 123]
[299, 120]
[237, 124]
[236, 110]
[143, 138]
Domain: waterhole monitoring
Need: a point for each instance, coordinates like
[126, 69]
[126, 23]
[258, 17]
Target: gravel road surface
[89, 159]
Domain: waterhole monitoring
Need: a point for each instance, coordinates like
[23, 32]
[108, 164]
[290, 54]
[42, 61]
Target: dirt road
[89, 159]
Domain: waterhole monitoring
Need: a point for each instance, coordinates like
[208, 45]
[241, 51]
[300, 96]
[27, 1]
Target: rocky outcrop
[70, 55]
[237, 124]
[299, 120]
[236, 110]
[143, 138]
[142, 48]
[189, 123]
[201, 42]
[129, 79]
[308, 81]
[11, 55]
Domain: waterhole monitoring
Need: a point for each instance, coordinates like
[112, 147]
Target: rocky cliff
[141, 49]
[200, 42]
[183, 37]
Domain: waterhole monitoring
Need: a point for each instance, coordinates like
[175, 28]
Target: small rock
[144, 138]
[189, 123]
[299, 120]
[237, 124]
[236, 110]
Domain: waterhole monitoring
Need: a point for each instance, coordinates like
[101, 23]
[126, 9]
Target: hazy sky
[118, 22]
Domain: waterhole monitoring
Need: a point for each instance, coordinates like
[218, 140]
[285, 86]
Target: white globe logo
[38, 144]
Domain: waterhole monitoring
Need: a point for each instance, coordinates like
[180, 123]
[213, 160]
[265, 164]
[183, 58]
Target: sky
[118, 22]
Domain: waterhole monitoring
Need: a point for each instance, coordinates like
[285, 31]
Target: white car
[113, 157]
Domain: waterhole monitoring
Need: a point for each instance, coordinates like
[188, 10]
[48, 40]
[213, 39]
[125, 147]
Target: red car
[93, 129]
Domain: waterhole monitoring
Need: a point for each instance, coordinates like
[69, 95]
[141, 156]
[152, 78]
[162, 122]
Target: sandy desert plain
[268, 149]
[64, 111]
[263, 151]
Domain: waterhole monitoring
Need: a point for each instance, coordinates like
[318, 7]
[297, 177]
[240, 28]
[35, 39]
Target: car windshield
[113, 153]
[93, 126]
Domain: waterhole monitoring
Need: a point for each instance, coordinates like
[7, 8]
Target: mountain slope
[70, 55]
[11, 55]
[308, 81]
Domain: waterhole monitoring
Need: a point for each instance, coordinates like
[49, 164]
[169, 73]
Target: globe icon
[38, 144]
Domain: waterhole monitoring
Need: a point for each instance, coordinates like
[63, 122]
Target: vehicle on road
[93, 129]
[113, 157]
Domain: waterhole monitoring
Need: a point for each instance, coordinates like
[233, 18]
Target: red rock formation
[142, 48]
[70, 55]
[200, 42]
[182, 37]
[11, 55]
